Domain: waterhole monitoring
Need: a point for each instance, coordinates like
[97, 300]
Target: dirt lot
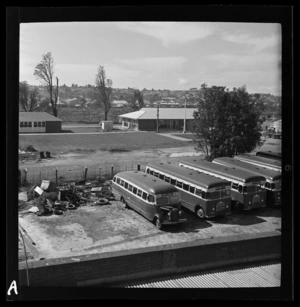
[96, 229]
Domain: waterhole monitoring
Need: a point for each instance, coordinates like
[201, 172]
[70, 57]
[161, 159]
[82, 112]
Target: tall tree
[137, 101]
[104, 87]
[45, 72]
[28, 99]
[226, 122]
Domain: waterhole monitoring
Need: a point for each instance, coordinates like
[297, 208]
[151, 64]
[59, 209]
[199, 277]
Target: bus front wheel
[158, 224]
[200, 213]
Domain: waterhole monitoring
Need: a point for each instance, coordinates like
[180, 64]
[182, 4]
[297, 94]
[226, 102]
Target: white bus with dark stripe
[273, 178]
[202, 194]
[246, 188]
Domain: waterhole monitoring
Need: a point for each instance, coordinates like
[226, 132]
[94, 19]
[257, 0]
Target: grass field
[92, 142]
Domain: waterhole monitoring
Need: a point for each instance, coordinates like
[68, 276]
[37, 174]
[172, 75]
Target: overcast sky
[159, 55]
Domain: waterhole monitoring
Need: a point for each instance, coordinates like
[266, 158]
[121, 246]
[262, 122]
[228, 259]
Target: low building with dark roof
[169, 118]
[35, 122]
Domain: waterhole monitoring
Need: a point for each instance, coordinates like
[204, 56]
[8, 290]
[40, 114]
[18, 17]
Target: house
[169, 118]
[119, 103]
[35, 122]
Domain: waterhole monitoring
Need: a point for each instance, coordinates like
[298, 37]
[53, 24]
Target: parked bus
[153, 198]
[269, 154]
[202, 194]
[274, 165]
[273, 178]
[246, 188]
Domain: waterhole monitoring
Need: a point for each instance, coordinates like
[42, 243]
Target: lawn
[56, 143]
[186, 136]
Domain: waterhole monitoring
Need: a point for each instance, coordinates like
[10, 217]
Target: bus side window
[161, 176]
[151, 198]
[186, 187]
[204, 195]
[179, 184]
[144, 195]
[139, 193]
[118, 180]
[126, 185]
[130, 188]
[167, 179]
[272, 186]
[198, 192]
[192, 189]
[114, 180]
[122, 183]
[173, 181]
[267, 185]
[148, 171]
[134, 190]
[234, 186]
[151, 172]
[241, 189]
[155, 174]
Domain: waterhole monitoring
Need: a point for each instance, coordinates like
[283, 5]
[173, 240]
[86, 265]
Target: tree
[226, 122]
[137, 101]
[28, 99]
[104, 87]
[45, 72]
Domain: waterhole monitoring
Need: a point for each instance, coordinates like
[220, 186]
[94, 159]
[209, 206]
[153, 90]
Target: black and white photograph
[150, 154]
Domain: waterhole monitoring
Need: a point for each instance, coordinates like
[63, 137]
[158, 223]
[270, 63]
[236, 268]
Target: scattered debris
[34, 209]
[48, 186]
[38, 190]
[49, 198]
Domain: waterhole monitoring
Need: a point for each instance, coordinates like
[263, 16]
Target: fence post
[25, 176]
[56, 177]
[85, 173]
[112, 172]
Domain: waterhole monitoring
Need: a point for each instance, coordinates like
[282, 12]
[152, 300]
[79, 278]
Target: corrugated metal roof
[37, 116]
[259, 276]
[164, 113]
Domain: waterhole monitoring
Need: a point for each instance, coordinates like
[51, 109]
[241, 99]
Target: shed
[38, 122]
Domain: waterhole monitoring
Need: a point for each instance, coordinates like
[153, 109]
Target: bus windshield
[217, 194]
[250, 189]
[276, 185]
[167, 199]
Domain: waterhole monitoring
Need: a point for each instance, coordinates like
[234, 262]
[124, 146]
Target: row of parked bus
[209, 189]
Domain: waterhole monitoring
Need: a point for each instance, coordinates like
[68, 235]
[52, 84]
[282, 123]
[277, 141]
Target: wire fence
[30, 177]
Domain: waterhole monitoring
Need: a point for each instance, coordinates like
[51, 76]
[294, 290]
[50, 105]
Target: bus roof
[269, 154]
[194, 177]
[147, 182]
[259, 170]
[228, 172]
[261, 160]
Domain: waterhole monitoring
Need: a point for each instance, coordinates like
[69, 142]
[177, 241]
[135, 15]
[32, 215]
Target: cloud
[170, 32]
[154, 64]
[182, 81]
[258, 43]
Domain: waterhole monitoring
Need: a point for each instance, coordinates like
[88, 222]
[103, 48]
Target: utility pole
[157, 118]
[184, 121]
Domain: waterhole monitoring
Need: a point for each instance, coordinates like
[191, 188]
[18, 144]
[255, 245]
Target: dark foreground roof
[37, 116]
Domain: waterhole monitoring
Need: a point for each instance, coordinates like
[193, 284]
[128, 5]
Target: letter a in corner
[13, 286]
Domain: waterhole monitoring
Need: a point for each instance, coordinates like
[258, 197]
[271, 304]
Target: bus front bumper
[166, 222]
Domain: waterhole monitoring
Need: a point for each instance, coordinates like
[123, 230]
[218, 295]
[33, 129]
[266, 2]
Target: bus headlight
[180, 212]
[213, 209]
[249, 202]
[227, 206]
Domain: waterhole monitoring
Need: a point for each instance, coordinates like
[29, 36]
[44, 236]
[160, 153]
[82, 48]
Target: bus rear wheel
[124, 203]
[158, 223]
[200, 213]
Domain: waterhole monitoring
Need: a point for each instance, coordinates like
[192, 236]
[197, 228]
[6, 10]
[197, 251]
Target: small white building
[35, 122]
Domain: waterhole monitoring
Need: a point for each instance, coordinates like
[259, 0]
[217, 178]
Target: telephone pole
[157, 117]
[184, 121]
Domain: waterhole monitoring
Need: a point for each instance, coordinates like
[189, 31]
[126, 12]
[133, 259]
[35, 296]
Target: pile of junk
[48, 199]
